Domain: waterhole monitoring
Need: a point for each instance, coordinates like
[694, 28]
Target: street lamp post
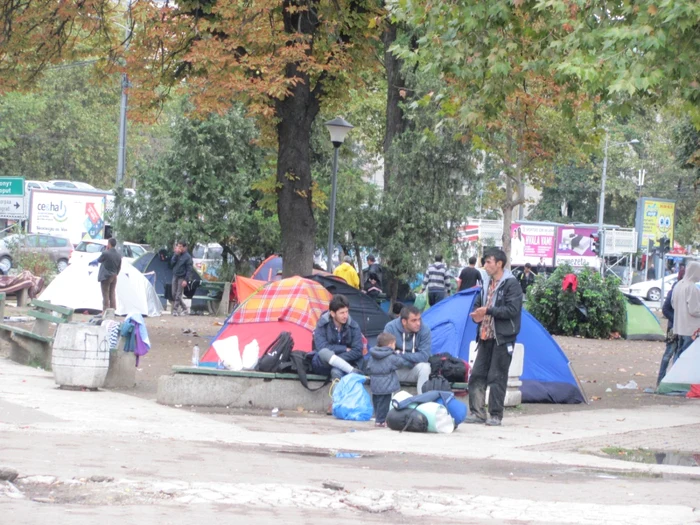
[121, 159]
[601, 206]
[338, 129]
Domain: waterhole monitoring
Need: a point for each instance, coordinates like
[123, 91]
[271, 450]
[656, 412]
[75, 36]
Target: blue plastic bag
[350, 399]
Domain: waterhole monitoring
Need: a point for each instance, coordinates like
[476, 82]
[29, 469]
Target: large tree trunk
[396, 82]
[296, 114]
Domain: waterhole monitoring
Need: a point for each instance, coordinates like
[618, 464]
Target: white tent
[77, 287]
[687, 369]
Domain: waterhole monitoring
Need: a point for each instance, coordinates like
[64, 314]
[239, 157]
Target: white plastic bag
[250, 355]
[229, 353]
[439, 419]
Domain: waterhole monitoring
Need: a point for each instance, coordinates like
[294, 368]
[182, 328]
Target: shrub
[38, 263]
[595, 310]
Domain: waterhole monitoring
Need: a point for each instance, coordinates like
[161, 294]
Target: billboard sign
[655, 219]
[77, 216]
[574, 247]
[531, 243]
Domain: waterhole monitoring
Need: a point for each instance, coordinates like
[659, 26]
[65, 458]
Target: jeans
[669, 354]
[436, 297]
[684, 341]
[419, 374]
[490, 369]
[179, 305]
[109, 293]
[381, 404]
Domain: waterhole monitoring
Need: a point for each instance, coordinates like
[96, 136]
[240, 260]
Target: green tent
[641, 323]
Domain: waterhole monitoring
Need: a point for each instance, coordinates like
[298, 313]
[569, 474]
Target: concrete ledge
[240, 392]
[223, 388]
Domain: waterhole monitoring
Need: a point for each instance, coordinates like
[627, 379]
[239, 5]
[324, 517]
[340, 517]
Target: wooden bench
[208, 291]
[34, 347]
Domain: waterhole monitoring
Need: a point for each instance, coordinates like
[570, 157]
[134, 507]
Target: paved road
[164, 465]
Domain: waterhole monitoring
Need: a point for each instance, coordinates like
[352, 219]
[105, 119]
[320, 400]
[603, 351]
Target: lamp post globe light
[338, 129]
[601, 205]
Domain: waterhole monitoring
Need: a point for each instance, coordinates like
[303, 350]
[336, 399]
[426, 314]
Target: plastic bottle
[275, 411]
[195, 356]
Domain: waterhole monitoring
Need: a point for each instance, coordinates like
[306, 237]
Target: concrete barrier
[80, 356]
[223, 388]
[240, 392]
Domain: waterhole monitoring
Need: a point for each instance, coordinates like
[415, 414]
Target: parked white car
[90, 250]
[651, 290]
[207, 258]
[69, 184]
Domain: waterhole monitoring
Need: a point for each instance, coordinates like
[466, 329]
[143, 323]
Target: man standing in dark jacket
[497, 311]
[111, 261]
[337, 341]
[181, 263]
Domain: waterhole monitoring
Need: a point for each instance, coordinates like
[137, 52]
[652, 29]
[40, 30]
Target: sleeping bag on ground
[350, 399]
[408, 419]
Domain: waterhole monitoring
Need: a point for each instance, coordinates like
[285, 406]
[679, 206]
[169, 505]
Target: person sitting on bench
[337, 341]
[414, 341]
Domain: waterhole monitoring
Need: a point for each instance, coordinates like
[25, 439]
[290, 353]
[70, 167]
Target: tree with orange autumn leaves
[283, 59]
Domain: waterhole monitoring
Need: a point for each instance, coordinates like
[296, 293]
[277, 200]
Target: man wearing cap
[347, 272]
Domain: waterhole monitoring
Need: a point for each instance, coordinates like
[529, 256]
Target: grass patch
[637, 455]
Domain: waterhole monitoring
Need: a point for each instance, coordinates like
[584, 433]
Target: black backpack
[451, 368]
[438, 383]
[408, 419]
[299, 363]
[277, 353]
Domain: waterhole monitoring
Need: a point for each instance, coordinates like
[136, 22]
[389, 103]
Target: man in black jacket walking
[181, 263]
[497, 311]
[111, 261]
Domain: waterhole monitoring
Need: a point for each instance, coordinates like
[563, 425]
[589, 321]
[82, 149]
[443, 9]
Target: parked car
[651, 290]
[58, 248]
[70, 184]
[90, 250]
[208, 258]
[30, 185]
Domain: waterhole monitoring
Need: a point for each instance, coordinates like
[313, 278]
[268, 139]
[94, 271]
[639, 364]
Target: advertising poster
[76, 216]
[532, 244]
[655, 219]
[574, 247]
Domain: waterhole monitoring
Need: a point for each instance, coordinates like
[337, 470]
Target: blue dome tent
[547, 374]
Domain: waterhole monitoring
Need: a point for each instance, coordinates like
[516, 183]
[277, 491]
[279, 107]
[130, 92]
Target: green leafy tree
[66, 129]
[200, 190]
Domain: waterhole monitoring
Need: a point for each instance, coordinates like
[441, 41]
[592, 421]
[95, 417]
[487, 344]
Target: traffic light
[651, 245]
[595, 242]
[665, 244]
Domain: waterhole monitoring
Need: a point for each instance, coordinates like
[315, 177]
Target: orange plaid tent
[298, 300]
[290, 305]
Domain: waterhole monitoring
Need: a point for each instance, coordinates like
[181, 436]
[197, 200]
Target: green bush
[595, 310]
[38, 263]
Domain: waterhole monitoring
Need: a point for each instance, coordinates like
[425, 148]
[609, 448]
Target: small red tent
[290, 305]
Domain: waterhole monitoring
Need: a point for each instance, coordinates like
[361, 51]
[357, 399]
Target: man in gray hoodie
[413, 343]
[686, 307]
[497, 311]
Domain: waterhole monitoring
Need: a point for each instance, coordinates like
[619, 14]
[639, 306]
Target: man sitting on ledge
[413, 344]
[337, 341]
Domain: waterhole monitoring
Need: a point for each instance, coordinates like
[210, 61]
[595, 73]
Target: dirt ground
[599, 364]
